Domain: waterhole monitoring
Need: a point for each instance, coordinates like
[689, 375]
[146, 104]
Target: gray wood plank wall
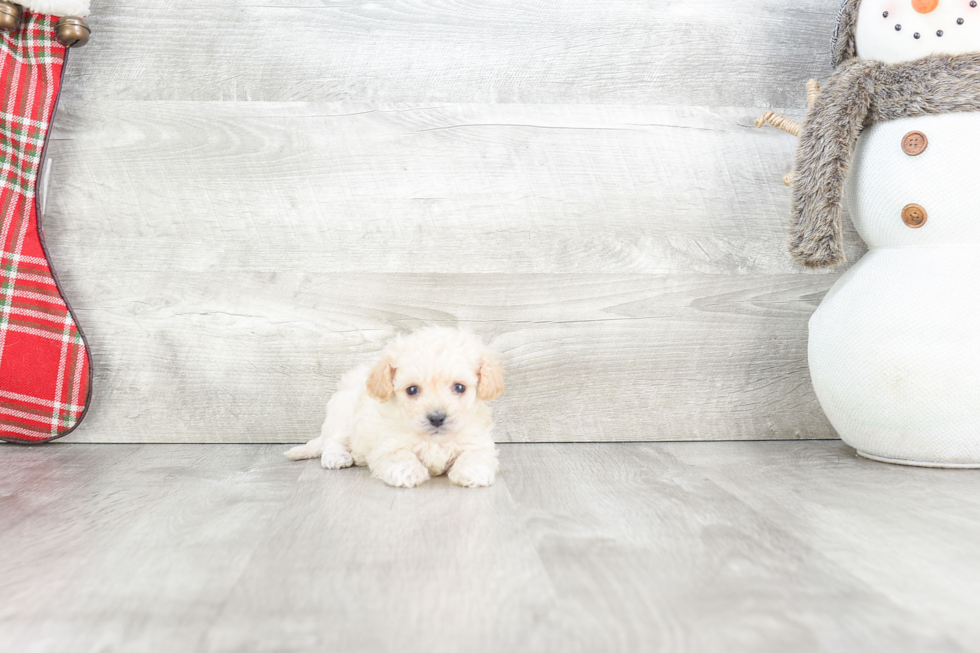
[248, 197]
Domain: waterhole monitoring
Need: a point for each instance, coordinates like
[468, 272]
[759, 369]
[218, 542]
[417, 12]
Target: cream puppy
[417, 411]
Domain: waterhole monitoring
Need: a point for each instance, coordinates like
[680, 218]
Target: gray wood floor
[775, 546]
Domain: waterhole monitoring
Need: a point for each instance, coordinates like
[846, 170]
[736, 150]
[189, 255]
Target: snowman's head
[893, 31]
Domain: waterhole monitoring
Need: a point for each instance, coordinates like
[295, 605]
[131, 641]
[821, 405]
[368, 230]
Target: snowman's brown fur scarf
[861, 93]
[845, 41]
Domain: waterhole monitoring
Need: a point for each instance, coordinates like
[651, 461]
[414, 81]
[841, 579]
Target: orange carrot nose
[925, 6]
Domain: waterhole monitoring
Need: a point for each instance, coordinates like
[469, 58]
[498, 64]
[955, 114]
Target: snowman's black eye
[939, 33]
[898, 28]
[885, 15]
[960, 21]
[916, 35]
[412, 390]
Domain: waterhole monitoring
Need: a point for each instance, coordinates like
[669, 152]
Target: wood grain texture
[239, 220]
[711, 53]
[889, 548]
[609, 357]
[637, 534]
[111, 564]
[459, 573]
[677, 547]
[458, 188]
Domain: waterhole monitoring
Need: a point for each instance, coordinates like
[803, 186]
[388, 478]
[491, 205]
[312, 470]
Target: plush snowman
[894, 347]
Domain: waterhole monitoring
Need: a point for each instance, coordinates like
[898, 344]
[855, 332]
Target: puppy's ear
[490, 377]
[379, 383]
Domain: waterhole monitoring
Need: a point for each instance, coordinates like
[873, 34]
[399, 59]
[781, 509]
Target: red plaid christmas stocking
[44, 362]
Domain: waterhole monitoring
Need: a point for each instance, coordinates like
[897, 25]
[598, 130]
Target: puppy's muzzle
[437, 419]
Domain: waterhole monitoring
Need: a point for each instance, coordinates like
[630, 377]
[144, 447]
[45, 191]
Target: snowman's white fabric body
[894, 348]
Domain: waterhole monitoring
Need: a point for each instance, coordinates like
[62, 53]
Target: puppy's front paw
[336, 460]
[472, 474]
[405, 473]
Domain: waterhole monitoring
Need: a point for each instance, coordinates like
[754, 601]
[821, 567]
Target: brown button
[914, 216]
[915, 143]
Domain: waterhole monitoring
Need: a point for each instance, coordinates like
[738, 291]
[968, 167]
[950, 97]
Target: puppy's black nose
[436, 419]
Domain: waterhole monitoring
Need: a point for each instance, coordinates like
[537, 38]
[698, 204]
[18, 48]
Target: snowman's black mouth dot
[939, 33]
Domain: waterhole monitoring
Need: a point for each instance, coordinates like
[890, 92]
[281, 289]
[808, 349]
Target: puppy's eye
[412, 390]
[459, 388]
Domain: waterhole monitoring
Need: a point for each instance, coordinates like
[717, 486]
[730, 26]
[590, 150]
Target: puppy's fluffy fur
[419, 410]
